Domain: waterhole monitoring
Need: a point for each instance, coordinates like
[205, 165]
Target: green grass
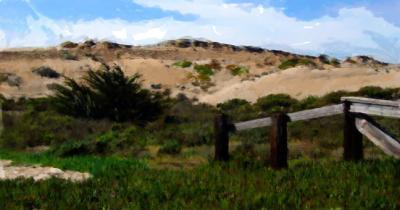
[183, 64]
[130, 184]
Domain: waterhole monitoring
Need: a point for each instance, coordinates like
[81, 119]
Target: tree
[108, 93]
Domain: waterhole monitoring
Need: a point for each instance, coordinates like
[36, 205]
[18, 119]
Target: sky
[339, 28]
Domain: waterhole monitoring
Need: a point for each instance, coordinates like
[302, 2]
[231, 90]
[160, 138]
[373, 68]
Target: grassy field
[121, 183]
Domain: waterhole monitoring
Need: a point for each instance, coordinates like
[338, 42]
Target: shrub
[204, 70]
[233, 104]
[108, 93]
[35, 127]
[377, 92]
[214, 64]
[324, 59]
[68, 56]
[204, 73]
[3, 77]
[120, 141]
[45, 71]
[237, 70]
[276, 103]
[69, 44]
[183, 64]
[171, 147]
[333, 97]
[296, 62]
[12, 80]
[307, 103]
[73, 148]
[335, 62]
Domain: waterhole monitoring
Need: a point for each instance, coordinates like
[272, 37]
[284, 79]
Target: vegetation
[237, 70]
[171, 147]
[69, 44]
[3, 77]
[130, 174]
[108, 93]
[290, 63]
[330, 61]
[45, 71]
[214, 64]
[276, 103]
[204, 70]
[131, 184]
[183, 64]
[66, 55]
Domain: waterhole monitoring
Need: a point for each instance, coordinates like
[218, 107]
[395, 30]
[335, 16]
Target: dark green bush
[127, 142]
[108, 93]
[37, 128]
[233, 104]
[172, 147]
[378, 92]
[296, 62]
[45, 71]
[276, 103]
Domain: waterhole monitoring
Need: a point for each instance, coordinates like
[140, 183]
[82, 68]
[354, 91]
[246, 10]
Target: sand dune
[155, 64]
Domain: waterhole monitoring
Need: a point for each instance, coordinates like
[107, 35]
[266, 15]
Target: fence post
[221, 132]
[278, 141]
[352, 144]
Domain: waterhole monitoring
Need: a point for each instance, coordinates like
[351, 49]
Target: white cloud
[154, 33]
[120, 34]
[242, 24]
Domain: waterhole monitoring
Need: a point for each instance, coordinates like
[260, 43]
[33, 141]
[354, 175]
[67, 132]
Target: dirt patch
[38, 173]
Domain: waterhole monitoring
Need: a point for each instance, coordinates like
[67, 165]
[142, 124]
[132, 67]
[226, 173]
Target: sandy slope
[302, 82]
[155, 64]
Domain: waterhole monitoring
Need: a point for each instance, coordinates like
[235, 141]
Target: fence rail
[296, 116]
[353, 129]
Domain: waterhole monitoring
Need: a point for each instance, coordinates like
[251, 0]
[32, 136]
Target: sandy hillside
[264, 71]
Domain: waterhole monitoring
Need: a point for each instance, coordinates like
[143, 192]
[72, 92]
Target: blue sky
[338, 28]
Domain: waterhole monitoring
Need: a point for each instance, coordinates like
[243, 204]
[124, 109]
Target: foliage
[124, 142]
[237, 70]
[3, 77]
[171, 147]
[45, 71]
[204, 70]
[183, 64]
[276, 103]
[69, 44]
[378, 92]
[324, 59]
[214, 64]
[36, 127]
[290, 63]
[108, 93]
[66, 55]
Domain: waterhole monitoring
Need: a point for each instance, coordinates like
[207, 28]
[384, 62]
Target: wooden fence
[356, 124]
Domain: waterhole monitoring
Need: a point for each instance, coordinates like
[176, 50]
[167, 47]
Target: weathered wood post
[278, 141]
[352, 144]
[222, 127]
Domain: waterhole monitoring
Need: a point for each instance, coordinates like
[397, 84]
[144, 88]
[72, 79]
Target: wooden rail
[354, 128]
[297, 116]
[374, 107]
